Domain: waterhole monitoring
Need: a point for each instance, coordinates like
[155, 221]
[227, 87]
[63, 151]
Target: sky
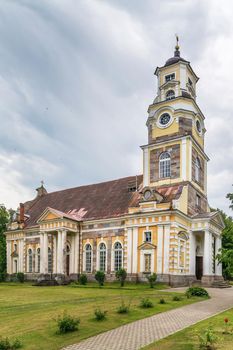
[77, 77]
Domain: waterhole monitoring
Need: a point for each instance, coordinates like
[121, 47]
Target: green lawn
[188, 338]
[28, 312]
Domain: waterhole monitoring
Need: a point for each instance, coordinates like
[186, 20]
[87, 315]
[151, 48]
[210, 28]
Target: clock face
[198, 126]
[164, 119]
[147, 194]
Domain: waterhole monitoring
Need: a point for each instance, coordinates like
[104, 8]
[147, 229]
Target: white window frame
[169, 75]
[145, 235]
[114, 255]
[30, 260]
[99, 256]
[84, 257]
[164, 166]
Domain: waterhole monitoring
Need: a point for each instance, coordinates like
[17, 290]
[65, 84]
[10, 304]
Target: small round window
[198, 126]
[164, 119]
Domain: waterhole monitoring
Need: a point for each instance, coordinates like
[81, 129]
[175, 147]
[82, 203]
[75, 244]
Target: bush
[2, 276]
[162, 301]
[83, 279]
[5, 344]
[100, 315]
[208, 339]
[121, 275]
[67, 323]
[197, 292]
[20, 277]
[146, 303]
[176, 298]
[123, 309]
[100, 277]
[152, 279]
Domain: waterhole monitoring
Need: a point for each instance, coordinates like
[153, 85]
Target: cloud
[76, 79]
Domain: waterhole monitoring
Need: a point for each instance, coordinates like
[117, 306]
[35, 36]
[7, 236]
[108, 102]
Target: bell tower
[175, 152]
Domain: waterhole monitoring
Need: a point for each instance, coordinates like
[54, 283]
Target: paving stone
[140, 333]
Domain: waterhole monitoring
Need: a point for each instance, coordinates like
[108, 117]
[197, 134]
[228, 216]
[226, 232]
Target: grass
[28, 312]
[187, 339]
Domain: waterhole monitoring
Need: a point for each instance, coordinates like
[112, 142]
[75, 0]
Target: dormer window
[169, 77]
[170, 95]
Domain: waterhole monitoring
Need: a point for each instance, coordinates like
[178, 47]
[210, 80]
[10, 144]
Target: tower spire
[177, 47]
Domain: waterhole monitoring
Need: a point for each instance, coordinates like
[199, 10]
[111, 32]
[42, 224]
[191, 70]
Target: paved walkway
[140, 333]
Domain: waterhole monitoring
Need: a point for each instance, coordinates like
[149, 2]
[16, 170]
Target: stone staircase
[220, 284]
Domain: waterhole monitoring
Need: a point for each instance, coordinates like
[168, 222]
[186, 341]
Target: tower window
[198, 201]
[169, 77]
[190, 81]
[197, 169]
[164, 165]
[170, 95]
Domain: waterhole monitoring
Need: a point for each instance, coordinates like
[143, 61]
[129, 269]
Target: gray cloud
[76, 78]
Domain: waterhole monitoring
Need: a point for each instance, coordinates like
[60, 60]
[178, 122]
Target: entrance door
[199, 267]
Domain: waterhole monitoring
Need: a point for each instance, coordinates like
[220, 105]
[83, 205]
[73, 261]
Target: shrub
[208, 339]
[152, 279]
[20, 277]
[176, 298]
[162, 301]
[100, 315]
[121, 275]
[146, 303]
[197, 292]
[100, 277]
[67, 323]
[5, 344]
[2, 276]
[83, 279]
[123, 308]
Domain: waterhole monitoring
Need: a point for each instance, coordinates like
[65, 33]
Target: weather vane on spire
[42, 183]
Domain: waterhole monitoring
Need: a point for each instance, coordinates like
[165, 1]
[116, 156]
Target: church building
[159, 221]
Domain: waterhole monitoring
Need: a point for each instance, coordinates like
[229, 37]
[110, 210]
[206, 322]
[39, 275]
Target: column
[129, 249]
[21, 254]
[45, 255]
[76, 253]
[166, 248]
[160, 249]
[42, 252]
[207, 263]
[218, 266]
[72, 255]
[54, 253]
[192, 253]
[135, 250]
[59, 252]
[64, 235]
[8, 249]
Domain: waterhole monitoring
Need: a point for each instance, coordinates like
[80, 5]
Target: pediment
[217, 219]
[147, 246]
[50, 214]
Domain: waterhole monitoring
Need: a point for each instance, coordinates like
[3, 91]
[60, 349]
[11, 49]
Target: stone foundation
[208, 280]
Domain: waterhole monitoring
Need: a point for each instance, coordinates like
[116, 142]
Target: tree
[121, 275]
[4, 218]
[152, 279]
[100, 277]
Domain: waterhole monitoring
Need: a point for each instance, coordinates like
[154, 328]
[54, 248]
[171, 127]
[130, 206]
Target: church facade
[156, 222]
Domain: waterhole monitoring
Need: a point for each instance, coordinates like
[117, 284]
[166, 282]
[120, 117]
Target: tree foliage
[4, 218]
[225, 255]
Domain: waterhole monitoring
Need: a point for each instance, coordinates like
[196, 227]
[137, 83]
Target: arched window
[182, 239]
[197, 169]
[118, 253]
[29, 260]
[38, 259]
[102, 257]
[164, 165]
[88, 257]
[50, 270]
[170, 95]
